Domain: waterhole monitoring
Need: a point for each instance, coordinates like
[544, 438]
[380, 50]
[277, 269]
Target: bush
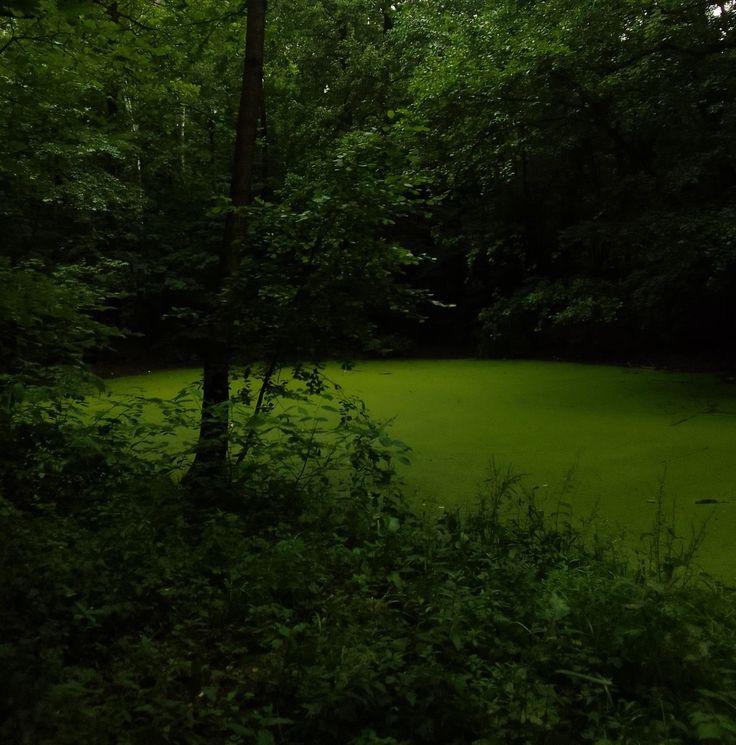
[136, 618]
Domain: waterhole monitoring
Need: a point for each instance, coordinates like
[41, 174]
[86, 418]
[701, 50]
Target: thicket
[323, 610]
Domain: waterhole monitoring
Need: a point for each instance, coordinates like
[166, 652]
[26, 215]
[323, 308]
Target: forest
[367, 372]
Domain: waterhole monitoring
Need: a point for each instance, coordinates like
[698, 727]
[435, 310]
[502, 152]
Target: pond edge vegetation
[312, 605]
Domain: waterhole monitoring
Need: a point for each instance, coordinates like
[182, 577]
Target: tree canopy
[580, 158]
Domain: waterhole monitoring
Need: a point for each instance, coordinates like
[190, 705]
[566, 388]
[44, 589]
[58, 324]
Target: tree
[47, 327]
[588, 170]
[299, 274]
[116, 119]
[66, 157]
[212, 447]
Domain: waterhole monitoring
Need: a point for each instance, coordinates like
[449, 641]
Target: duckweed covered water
[614, 435]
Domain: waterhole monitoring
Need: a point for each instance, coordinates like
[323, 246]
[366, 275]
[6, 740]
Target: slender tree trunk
[210, 462]
[266, 192]
[183, 142]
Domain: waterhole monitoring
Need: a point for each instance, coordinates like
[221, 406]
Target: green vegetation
[606, 436]
[302, 611]
[601, 440]
[250, 188]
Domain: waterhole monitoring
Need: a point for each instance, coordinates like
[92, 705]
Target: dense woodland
[563, 173]
[537, 178]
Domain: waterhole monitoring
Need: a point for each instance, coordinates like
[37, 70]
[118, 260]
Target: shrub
[131, 617]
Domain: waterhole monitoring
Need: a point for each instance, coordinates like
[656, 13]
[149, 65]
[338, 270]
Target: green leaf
[584, 676]
[238, 729]
[264, 737]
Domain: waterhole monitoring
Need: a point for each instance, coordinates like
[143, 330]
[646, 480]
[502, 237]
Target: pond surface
[614, 435]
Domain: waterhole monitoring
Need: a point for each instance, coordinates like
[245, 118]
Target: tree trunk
[211, 462]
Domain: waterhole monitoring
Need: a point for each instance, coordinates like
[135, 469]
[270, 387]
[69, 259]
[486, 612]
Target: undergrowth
[330, 612]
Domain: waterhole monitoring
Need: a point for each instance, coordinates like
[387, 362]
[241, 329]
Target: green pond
[614, 435]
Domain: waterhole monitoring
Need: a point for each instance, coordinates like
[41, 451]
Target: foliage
[566, 315]
[330, 70]
[564, 145]
[583, 144]
[321, 265]
[123, 148]
[582, 164]
[48, 323]
[135, 617]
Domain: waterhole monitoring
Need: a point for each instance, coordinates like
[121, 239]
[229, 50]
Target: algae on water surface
[619, 430]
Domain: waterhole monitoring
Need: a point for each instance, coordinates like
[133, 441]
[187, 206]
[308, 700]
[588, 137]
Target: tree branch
[12, 40]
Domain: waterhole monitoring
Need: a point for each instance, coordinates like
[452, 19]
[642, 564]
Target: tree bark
[211, 461]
